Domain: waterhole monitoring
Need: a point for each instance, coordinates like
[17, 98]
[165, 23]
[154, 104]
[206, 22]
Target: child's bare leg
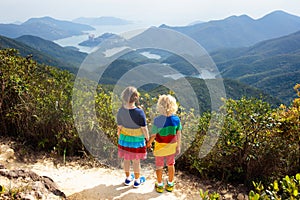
[171, 172]
[159, 172]
[127, 167]
[136, 168]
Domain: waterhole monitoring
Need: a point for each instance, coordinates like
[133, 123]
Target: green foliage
[209, 196]
[2, 189]
[286, 188]
[250, 145]
[35, 103]
[288, 128]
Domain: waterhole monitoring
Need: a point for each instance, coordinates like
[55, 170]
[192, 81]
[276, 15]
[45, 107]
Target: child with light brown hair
[166, 131]
[132, 135]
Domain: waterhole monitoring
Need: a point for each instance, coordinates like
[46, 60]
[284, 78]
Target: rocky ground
[32, 176]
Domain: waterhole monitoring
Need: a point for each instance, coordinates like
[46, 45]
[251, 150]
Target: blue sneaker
[128, 181]
[141, 181]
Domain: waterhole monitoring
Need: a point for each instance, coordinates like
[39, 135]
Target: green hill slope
[272, 65]
[27, 51]
[45, 52]
[66, 55]
[233, 89]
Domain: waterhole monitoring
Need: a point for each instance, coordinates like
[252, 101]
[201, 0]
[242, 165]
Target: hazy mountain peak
[240, 31]
[238, 18]
[40, 19]
[279, 15]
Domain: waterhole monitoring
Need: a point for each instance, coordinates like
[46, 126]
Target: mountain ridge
[239, 31]
[64, 54]
[48, 52]
[45, 27]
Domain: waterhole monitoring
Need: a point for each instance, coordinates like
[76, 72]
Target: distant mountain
[66, 55]
[272, 65]
[101, 21]
[17, 22]
[195, 22]
[45, 27]
[43, 56]
[240, 31]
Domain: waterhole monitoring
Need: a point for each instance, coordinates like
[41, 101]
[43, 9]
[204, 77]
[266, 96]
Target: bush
[35, 103]
[250, 146]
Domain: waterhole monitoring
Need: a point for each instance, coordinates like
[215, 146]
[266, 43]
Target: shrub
[35, 103]
[249, 146]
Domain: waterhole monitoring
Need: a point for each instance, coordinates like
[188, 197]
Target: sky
[152, 12]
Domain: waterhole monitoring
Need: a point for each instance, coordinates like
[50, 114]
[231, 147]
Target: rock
[6, 153]
[34, 186]
[241, 196]
[223, 191]
[228, 196]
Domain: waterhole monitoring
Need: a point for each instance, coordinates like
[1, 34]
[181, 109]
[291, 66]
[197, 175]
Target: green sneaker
[159, 188]
[170, 187]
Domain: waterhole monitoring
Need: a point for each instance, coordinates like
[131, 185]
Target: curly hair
[167, 105]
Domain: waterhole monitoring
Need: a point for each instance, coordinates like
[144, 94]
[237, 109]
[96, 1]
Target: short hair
[167, 105]
[130, 95]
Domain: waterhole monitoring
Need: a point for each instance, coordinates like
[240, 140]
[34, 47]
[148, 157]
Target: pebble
[228, 196]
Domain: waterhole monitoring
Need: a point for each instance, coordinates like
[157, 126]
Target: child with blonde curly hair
[166, 131]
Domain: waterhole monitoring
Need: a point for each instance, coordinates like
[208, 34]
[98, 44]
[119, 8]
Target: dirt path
[79, 183]
[81, 180]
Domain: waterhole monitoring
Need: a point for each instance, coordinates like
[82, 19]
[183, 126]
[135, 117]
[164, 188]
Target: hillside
[63, 54]
[264, 65]
[44, 27]
[240, 31]
[40, 55]
[123, 65]
[234, 90]
[27, 51]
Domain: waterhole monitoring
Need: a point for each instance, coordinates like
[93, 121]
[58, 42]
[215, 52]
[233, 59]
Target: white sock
[170, 183]
[160, 184]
